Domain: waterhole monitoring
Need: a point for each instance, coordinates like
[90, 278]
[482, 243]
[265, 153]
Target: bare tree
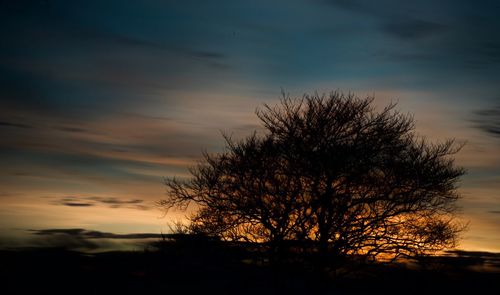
[244, 194]
[333, 175]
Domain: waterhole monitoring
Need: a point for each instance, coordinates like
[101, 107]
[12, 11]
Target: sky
[100, 100]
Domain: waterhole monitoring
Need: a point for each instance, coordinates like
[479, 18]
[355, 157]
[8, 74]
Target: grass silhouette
[193, 265]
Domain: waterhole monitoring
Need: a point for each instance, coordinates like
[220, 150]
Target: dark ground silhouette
[194, 266]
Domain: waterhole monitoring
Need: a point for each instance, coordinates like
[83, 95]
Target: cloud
[135, 148]
[92, 234]
[71, 129]
[67, 67]
[494, 211]
[490, 50]
[111, 202]
[208, 54]
[17, 125]
[378, 9]
[412, 29]
[478, 53]
[80, 239]
[22, 89]
[401, 56]
[75, 204]
[488, 120]
[445, 36]
[115, 201]
[351, 5]
[66, 239]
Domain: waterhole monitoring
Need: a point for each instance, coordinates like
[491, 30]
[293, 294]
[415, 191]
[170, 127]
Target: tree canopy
[332, 175]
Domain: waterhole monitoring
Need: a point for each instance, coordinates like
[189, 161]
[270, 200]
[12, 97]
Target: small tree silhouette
[331, 175]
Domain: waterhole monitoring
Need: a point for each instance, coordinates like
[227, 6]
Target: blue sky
[101, 99]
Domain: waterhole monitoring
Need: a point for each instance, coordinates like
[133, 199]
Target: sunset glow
[100, 100]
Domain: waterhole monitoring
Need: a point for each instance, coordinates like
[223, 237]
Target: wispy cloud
[71, 203]
[488, 120]
[71, 129]
[111, 202]
[92, 234]
[207, 54]
[412, 29]
[86, 240]
[17, 125]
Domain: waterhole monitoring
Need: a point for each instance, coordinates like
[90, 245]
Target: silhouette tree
[244, 194]
[332, 175]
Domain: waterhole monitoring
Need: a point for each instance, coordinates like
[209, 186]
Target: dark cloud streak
[412, 29]
[17, 125]
[488, 120]
[74, 204]
[80, 239]
[115, 201]
[91, 234]
[111, 202]
[71, 129]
